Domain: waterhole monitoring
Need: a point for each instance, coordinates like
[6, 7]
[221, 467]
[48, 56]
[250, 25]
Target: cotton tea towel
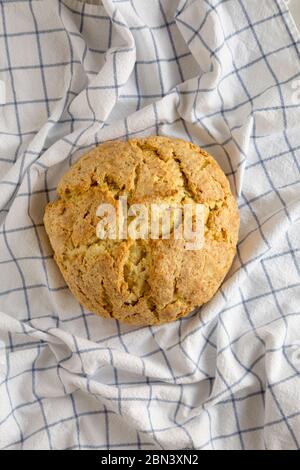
[224, 74]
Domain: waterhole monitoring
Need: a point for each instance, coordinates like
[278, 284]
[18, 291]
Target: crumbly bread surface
[142, 282]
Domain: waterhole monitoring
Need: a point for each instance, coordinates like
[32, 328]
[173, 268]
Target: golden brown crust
[143, 282]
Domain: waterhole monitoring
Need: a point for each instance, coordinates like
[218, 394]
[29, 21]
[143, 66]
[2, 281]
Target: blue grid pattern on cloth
[221, 73]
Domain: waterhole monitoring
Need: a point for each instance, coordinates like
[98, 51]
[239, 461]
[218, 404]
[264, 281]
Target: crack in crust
[142, 281]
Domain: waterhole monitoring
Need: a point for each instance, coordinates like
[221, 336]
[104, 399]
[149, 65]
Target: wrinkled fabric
[224, 74]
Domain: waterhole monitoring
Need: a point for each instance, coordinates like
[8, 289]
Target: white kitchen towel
[224, 74]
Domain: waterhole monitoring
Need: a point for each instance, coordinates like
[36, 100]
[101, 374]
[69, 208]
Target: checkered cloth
[224, 74]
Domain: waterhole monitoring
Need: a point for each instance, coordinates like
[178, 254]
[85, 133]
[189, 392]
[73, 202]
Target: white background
[295, 10]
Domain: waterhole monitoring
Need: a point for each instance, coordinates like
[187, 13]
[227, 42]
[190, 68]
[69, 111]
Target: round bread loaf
[142, 281]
